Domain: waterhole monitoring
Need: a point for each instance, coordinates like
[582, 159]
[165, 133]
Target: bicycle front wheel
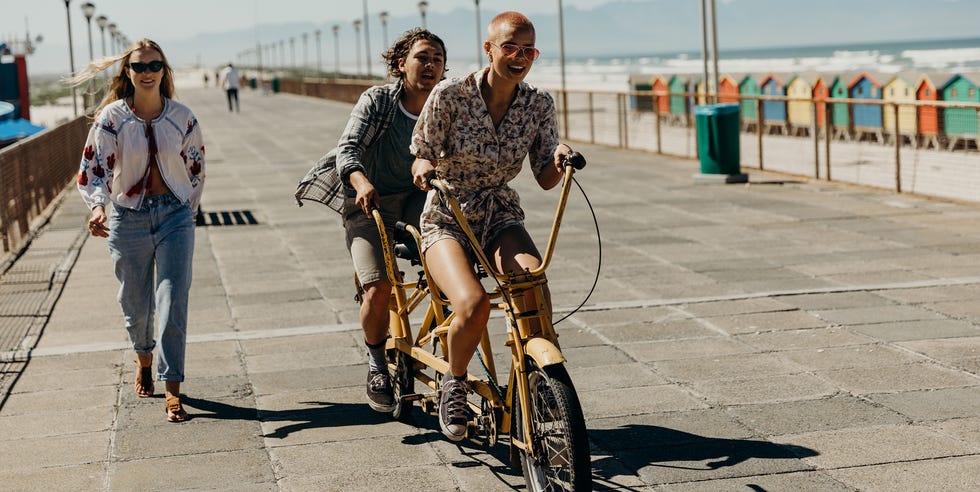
[558, 434]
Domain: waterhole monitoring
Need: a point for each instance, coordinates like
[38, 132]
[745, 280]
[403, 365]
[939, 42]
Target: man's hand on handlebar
[367, 196]
[422, 172]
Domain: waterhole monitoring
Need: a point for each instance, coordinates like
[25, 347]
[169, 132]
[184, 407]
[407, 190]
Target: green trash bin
[718, 138]
[252, 83]
[275, 84]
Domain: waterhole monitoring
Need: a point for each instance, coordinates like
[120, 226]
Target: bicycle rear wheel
[559, 436]
[403, 383]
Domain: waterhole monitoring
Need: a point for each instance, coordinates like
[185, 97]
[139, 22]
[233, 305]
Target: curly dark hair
[403, 45]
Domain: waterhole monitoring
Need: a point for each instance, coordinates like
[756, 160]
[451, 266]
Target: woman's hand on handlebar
[422, 171]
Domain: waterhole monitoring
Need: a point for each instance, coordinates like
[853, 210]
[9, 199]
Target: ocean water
[911, 58]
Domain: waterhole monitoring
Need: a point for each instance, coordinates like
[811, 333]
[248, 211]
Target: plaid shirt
[328, 182]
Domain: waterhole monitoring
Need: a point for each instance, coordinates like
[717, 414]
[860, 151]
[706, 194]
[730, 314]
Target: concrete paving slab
[199, 436]
[811, 338]
[933, 404]
[965, 429]
[952, 474]
[770, 389]
[784, 481]
[762, 322]
[614, 376]
[918, 330]
[839, 411]
[887, 379]
[851, 356]
[874, 445]
[683, 349]
[637, 400]
[877, 314]
[244, 469]
[66, 478]
[726, 367]
[53, 452]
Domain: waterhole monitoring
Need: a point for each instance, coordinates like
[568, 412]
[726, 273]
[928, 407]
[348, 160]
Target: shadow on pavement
[318, 414]
[639, 446]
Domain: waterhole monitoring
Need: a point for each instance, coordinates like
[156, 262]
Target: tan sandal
[144, 380]
[175, 411]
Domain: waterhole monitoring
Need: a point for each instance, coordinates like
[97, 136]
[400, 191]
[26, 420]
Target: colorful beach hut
[928, 116]
[840, 112]
[899, 91]
[773, 112]
[821, 91]
[727, 88]
[749, 87]
[799, 109]
[867, 117]
[678, 101]
[702, 97]
[960, 124]
[662, 103]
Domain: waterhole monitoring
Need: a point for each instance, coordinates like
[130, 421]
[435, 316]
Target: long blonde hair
[120, 87]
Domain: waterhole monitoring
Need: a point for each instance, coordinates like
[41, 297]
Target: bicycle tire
[403, 383]
[560, 436]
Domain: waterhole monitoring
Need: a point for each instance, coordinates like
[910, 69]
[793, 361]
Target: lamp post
[561, 62]
[319, 66]
[336, 50]
[282, 54]
[384, 26]
[305, 37]
[357, 38]
[292, 51]
[71, 58]
[367, 40]
[423, 7]
[479, 42]
[112, 33]
[102, 21]
[88, 10]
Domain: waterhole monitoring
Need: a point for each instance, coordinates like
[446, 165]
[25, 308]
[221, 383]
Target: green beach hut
[748, 86]
[960, 123]
[840, 114]
[678, 86]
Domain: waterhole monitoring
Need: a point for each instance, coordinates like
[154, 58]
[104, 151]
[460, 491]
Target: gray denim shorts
[363, 239]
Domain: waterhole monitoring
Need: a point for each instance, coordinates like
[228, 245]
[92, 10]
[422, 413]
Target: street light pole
[423, 7]
[561, 62]
[336, 50]
[112, 33]
[479, 41]
[384, 27]
[88, 10]
[305, 36]
[704, 50]
[367, 40]
[714, 49]
[102, 21]
[357, 38]
[292, 51]
[71, 58]
[319, 66]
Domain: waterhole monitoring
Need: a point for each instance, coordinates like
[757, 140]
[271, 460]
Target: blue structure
[866, 115]
[773, 111]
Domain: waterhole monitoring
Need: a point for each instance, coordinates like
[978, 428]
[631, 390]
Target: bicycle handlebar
[572, 162]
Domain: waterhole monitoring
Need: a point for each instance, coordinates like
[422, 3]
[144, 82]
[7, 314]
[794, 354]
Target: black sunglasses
[140, 67]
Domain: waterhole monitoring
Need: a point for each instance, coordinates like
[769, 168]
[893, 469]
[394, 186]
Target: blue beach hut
[773, 112]
[867, 117]
[750, 114]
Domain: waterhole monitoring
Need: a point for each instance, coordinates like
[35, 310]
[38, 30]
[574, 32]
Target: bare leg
[514, 251]
[451, 271]
[374, 311]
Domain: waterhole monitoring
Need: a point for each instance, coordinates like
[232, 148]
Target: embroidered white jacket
[114, 162]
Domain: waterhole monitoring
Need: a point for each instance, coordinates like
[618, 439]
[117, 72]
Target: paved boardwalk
[773, 336]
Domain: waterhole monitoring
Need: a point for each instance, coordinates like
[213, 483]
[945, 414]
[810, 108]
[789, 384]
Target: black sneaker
[453, 409]
[380, 395]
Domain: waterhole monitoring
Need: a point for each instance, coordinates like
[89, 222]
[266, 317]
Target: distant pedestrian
[206, 80]
[145, 155]
[229, 81]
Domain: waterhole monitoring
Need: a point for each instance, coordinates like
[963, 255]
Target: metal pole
[71, 58]
[336, 51]
[898, 153]
[704, 48]
[479, 41]
[714, 50]
[357, 40]
[367, 40]
[319, 58]
[561, 60]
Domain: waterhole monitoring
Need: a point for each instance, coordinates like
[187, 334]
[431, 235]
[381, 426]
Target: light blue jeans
[159, 236]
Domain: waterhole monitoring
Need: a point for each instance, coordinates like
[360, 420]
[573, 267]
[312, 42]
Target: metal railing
[892, 153]
[34, 172]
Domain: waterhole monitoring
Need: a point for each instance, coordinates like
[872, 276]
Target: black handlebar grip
[401, 225]
[576, 159]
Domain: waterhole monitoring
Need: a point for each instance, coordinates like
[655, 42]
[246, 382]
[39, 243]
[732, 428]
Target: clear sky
[168, 19]
[745, 22]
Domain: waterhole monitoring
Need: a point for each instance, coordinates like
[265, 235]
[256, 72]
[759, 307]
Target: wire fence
[33, 173]
[923, 147]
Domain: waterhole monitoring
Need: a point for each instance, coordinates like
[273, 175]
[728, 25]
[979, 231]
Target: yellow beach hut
[799, 108]
[899, 91]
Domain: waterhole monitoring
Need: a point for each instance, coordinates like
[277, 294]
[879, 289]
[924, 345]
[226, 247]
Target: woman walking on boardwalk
[145, 155]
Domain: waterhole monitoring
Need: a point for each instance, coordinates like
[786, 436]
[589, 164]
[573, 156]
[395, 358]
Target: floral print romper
[476, 160]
